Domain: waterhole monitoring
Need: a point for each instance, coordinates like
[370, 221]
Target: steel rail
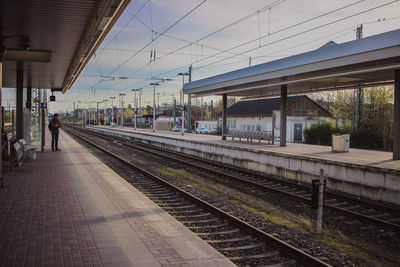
[352, 214]
[284, 247]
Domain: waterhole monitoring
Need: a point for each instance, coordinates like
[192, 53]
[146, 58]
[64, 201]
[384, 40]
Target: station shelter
[362, 63]
[45, 45]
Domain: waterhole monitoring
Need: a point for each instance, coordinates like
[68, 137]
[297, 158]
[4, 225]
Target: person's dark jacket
[54, 126]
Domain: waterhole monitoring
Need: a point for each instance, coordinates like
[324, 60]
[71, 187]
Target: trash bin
[340, 142]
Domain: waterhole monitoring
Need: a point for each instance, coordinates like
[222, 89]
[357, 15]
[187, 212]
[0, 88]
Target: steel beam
[224, 108]
[283, 115]
[20, 100]
[396, 123]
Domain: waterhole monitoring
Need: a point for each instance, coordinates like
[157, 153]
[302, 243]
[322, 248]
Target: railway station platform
[69, 209]
[366, 173]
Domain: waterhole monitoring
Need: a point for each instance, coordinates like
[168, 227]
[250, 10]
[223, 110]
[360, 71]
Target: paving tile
[62, 210]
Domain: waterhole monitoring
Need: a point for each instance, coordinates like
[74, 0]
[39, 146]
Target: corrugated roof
[355, 58]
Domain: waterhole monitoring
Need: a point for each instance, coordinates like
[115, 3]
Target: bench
[250, 135]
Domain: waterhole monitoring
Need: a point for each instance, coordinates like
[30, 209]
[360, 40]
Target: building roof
[259, 106]
[364, 62]
[62, 37]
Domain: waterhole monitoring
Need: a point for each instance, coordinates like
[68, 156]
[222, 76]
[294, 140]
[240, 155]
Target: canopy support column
[224, 107]
[1, 117]
[20, 100]
[396, 124]
[29, 97]
[283, 115]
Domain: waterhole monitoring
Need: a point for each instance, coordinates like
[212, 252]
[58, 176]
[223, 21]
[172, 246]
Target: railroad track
[353, 210]
[242, 243]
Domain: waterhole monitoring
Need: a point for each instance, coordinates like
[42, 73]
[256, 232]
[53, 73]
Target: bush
[365, 138]
[319, 134]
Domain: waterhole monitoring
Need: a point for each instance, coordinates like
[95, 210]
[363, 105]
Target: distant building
[257, 115]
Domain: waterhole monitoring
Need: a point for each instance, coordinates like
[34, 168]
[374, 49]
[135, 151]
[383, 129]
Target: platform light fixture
[135, 104]
[112, 110]
[183, 74]
[154, 105]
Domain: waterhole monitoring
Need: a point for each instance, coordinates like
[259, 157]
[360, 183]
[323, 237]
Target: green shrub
[319, 134]
[365, 138]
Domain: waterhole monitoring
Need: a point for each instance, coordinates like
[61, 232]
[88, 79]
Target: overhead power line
[306, 31]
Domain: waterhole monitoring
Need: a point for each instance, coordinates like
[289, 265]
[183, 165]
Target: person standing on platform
[54, 127]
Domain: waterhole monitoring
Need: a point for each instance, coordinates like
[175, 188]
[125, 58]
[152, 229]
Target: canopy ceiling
[70, 30]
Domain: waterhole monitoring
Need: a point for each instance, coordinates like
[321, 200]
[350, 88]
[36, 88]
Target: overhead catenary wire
[165, 73]
[158, 36]
[306, 31]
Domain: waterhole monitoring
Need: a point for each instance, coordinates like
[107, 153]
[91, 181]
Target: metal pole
[20, 100]
[201, 112]
[154, 108]
[122, 113]
[212, 111]
[136, 108]
[396, 120]
[43, 128]
[140, 98]
[1, 122]
[112, 111]
[320, 201]
[224, 107]
[183, 112]
[12, 121]
[174, 111]
[190, 101]
[97, 113]
[283, 115]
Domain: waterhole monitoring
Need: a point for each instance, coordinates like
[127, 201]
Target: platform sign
[182, 108]
[43, 105]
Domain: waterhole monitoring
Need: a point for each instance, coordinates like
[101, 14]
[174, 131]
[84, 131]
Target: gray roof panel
[376, 42]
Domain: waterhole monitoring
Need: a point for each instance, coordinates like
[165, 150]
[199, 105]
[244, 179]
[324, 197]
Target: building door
[298, 132]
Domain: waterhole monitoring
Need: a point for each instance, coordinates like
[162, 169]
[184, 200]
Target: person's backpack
[50, 127]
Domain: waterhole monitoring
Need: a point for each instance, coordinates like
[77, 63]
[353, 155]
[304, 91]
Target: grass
[181, 174]
[292, 221]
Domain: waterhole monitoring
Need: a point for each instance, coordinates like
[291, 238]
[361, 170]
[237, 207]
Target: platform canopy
[54, 39]
[364, 63]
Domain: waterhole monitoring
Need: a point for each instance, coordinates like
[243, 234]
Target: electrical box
[340, 142]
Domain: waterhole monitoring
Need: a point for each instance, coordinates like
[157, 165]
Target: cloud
[210, 17]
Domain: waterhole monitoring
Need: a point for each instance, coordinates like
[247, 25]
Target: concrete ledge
[361, 180]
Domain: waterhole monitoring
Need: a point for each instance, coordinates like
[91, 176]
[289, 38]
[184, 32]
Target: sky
[214, 36]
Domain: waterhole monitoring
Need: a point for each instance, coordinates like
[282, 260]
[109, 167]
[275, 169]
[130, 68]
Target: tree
[206, 112]
[128, 113]
[218, 105]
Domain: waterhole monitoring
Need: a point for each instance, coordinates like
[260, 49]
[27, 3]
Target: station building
[263, 115]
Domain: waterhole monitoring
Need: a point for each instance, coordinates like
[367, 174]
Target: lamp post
[135, 104]
[77, 110]
[122, 109]
[154, 105]
[140, 97]
[154, 96]
[183, 100]
[104, 113]
[97, 112]
[112, 111]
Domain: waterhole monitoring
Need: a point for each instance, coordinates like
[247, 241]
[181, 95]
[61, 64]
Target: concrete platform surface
[69, 209]
[360, 157]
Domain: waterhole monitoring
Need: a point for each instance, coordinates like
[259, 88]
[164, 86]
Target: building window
[232, 123]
